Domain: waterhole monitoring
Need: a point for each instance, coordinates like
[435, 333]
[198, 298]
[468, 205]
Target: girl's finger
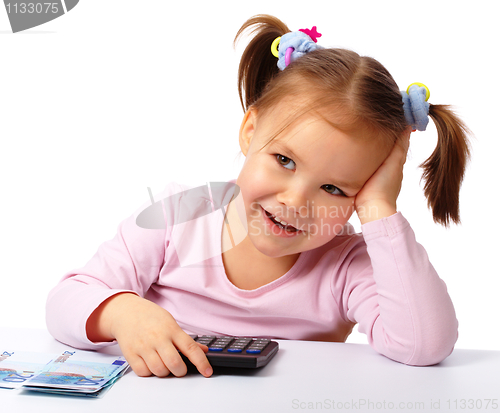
[173, 360]
[203, 347]
[138, 365]
[155, 364]
[195, 353]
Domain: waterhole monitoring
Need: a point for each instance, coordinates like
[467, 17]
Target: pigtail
[445, 168]
[258, 65]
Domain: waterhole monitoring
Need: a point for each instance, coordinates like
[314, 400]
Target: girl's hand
[148, 335]
[377, 198]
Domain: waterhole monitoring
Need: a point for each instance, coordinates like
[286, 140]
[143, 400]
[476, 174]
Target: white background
[120, 95]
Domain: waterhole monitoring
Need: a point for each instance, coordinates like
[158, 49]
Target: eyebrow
[279, 146]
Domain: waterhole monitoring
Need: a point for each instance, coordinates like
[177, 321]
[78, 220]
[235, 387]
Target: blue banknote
[79, 371]
[69, 372]
[16, 367]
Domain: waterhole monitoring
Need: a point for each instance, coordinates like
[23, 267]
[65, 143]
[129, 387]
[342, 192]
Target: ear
[247, 129]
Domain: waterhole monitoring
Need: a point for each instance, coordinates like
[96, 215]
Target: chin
[265, 248]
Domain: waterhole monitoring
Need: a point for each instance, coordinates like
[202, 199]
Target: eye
[285, 162]
[332, 189]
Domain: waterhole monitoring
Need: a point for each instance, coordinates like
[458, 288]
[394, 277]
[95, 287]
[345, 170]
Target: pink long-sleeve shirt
[381, 279]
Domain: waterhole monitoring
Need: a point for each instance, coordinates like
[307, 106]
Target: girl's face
[299, 190]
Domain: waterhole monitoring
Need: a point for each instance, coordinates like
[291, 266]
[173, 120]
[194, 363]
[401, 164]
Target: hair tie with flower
[292, 45]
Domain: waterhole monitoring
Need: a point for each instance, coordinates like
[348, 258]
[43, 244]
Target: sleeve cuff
[385, 227]
[68, 309]
[90, 308]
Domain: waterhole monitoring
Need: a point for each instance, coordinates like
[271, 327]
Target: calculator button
[256, 347]
[240, 346]
[254, 350]
[244, 341]
[206, 340]
[261, 342]
[234, 350]
[215, 348]
[224, 341]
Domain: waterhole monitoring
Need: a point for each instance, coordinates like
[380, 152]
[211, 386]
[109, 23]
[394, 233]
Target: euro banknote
[16, 367]
[69, 372]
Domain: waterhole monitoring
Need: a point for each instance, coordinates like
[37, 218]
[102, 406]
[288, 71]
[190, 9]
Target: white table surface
[303, 376]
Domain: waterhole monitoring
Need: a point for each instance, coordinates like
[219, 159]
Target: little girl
[325, 134]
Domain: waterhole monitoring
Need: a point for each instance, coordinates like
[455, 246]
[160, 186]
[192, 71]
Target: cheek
[330, 220]
[255, 178]
[344, 213]
[338, 211]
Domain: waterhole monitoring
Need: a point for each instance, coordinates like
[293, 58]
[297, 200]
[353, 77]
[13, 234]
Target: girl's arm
[397, 297]
[407, 313]
[129, 262]
[103, 301]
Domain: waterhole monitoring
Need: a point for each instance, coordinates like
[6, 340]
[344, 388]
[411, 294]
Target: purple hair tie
[288, 55]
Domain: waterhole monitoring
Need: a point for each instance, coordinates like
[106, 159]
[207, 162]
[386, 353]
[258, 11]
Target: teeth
[284, 223]
[280, 221]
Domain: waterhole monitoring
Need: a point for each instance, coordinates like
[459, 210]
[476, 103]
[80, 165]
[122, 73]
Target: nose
[296, 198]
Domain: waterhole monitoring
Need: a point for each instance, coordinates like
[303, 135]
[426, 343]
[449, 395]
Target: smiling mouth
[280, 223]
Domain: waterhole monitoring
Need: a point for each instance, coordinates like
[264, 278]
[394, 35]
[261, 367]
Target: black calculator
[245, 352]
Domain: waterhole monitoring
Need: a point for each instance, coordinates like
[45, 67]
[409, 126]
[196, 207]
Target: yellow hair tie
[427, 91]
[274, 47]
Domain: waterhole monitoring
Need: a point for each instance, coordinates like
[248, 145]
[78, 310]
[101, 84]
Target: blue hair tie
[294, 45]
[415, 106]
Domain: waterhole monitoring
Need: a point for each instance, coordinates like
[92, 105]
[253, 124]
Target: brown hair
[366, 94]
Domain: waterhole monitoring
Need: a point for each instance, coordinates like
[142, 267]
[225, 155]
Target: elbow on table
[434, 351]
[429, 349]
[431, 357]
